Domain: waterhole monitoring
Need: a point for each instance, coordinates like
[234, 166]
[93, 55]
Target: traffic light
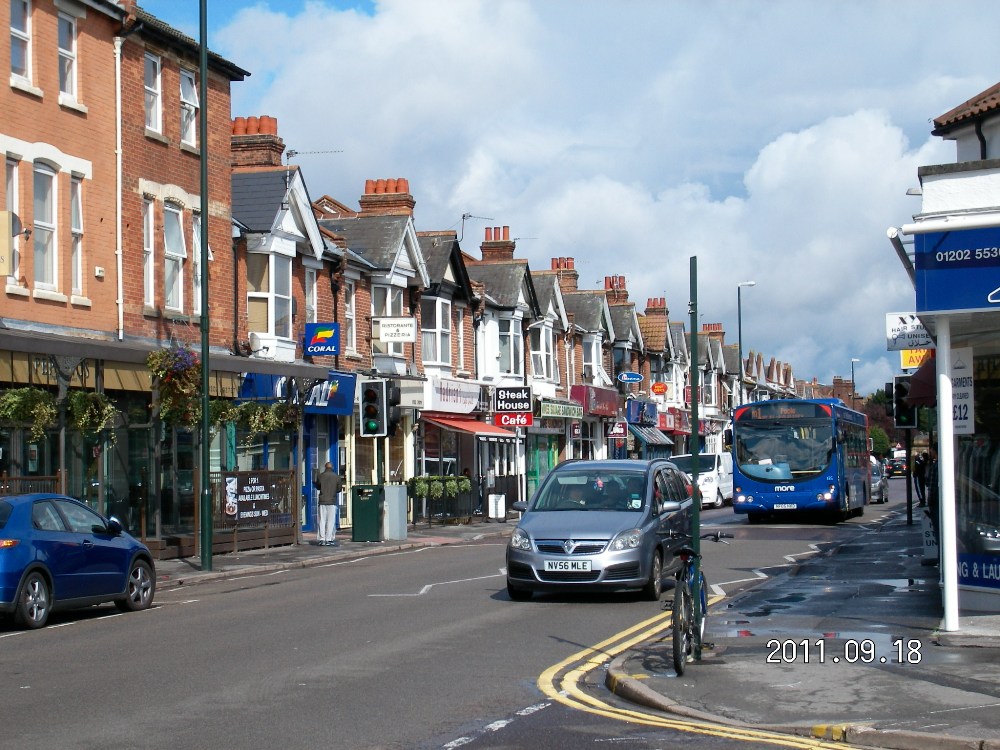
[889, 406]
[373, 408]
[905, 415]
[393, 413]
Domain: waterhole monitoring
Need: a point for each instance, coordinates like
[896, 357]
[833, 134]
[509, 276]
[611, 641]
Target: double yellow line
[562, 684]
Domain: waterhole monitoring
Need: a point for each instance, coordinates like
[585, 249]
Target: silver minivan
[600, 525]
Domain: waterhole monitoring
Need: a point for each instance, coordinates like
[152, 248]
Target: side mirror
[114, 526]
[669, 506]
[519, 505]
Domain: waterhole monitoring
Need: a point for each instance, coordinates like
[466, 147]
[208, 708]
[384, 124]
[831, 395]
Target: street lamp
[853, 389]
[739, 333]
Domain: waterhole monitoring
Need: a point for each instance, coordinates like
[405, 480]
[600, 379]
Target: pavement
[880, 670]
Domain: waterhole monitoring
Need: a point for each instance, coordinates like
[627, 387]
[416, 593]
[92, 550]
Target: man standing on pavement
[328, 484]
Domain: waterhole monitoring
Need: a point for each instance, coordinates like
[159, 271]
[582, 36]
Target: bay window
[543, 357]
[269, 294]
[387, 301]
[435, 324]
[511, 347]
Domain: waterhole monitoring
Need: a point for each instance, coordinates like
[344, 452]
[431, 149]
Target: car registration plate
[567, 566]
[785, 506]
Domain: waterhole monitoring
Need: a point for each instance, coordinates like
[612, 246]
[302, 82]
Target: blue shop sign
[322, 339]
[640, 412]
[957, 270]
[629, 377]
[263, 387]
[335, 395]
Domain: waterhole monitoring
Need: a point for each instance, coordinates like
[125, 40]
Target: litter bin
[498, 507]
[394, 515]
[366, 513]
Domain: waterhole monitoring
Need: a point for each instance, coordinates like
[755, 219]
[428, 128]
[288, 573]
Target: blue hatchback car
[57, 553]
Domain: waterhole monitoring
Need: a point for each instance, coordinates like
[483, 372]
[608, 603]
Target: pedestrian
[328, 484]
[920, 478]
[933, 494]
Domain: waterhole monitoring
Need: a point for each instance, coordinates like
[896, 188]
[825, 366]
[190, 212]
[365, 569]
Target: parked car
[715, 476]
[895, 467]
[599, 525]
[880, 483]
[56, 553]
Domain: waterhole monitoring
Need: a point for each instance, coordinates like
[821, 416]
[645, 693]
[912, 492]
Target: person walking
[328, 484]
[920, 478]
[932, 493]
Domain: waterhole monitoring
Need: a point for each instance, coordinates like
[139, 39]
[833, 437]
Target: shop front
[600, 407]
[646, 441]
[548, 437]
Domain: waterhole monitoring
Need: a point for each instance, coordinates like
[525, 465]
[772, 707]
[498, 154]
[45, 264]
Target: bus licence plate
[785, 506]
[567, 566]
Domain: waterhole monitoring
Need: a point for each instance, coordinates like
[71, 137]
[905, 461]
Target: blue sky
[774, 141]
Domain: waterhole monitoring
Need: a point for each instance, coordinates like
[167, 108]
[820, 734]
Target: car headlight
[627, 540]
[520, 540]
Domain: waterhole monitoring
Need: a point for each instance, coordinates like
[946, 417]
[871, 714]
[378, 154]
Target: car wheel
[140, 589]
[33, 602]
[719, 500]
[654, 587]
[516, 594]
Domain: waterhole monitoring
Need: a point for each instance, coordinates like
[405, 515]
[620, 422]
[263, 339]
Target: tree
[880, 441]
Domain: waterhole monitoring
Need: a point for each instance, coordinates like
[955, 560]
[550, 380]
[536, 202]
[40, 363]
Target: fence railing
[22, 485]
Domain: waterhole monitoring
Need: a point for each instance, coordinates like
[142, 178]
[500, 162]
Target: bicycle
[686, 632]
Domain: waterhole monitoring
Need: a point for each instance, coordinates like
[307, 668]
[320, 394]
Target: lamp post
[853, 389]
[739, 334]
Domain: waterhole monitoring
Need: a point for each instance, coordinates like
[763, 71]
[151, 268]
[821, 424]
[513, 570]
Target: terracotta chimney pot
[253, 125]
[369, 187]
[240, 126]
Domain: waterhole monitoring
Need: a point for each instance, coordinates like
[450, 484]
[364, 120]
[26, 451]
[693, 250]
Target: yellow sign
[913, 358]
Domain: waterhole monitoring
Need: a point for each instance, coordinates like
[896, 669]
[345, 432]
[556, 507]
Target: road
[420, 649]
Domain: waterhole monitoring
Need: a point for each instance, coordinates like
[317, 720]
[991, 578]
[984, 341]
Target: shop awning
[649, 435]
[923, 385]
[470, 426]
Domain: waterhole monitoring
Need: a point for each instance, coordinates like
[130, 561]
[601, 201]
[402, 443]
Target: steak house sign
[517, 399]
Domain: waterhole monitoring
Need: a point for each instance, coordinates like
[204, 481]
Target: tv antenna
[292, 152]
[470, 216]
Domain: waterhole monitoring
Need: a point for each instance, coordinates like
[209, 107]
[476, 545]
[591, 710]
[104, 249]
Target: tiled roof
[503, 280]
[168, 35]
[654, 332]
[257, 197]
[377, 239]
[622, 317]
[980, 104]
[586, 308]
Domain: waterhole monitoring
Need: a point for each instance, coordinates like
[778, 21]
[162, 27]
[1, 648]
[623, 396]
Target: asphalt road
[416, 649]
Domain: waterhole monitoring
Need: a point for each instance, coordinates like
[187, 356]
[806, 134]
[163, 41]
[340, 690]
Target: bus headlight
[830, 494]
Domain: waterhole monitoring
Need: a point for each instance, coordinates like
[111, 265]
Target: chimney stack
[567, 274]
[387, 197]
[255, 142]
[497, 244]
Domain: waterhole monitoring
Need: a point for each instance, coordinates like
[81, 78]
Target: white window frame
[590, 345]
[153, 92]
[174, 255]
[511, 359]
[460, 337]
[543, 352]
[45, 226]
[350, 338]
[148, 253]
[310, 293]
[76, 231]
[21, 37]
[387, 301]
[67, 58]
[276, 302]
[189, 109]
[12, 203]
[196, 264]
[435, 334]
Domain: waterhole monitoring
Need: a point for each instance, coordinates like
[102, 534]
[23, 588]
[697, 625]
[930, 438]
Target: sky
[772, 141]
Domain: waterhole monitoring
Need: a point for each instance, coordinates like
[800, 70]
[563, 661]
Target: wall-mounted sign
[903, 330]
[910, 359]
[629, 377]
[957, 270]
[322, 339]
[559, 409]
[512, 399]
[523, 419]
[402, 330]
[962, 395]
[658, 389]
[618, 430]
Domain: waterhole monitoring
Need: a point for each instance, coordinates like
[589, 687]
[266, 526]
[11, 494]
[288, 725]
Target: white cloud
[774, 141]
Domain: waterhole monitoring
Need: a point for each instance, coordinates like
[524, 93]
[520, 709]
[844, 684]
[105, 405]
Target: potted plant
[90, 411]
[177, 372]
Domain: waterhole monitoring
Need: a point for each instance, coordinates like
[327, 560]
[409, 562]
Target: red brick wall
[34, 127]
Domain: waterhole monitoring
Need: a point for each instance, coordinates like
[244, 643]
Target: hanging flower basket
[177, 371]
[29, 407]
[90, 412]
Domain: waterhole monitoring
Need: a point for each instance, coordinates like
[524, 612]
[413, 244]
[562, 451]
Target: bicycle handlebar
[714, 536]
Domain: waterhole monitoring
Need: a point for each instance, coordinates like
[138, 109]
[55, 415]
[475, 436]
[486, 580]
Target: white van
[715, 476]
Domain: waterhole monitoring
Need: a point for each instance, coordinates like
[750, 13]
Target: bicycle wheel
[682, 626]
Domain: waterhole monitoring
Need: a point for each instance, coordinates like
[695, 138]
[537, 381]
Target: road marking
[429, 586]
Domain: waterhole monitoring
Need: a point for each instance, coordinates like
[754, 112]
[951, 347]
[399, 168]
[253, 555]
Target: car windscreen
[590, 490]
[5, 511]
[706, 462]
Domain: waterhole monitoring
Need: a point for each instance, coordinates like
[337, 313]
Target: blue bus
[795, 456]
